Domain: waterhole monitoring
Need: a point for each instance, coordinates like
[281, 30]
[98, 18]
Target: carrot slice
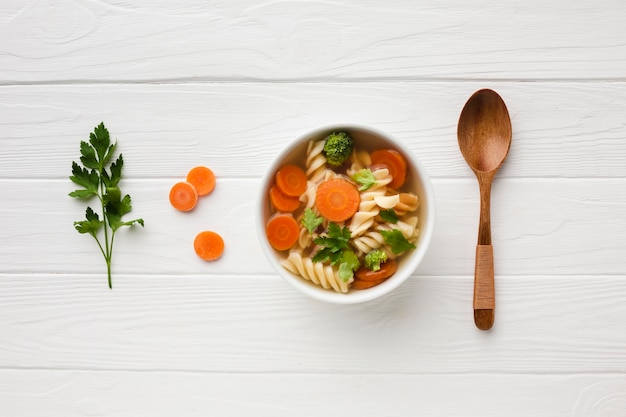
[208, 245]
[386, 270]
[337, 199]
[395, 162]
[358, 284]
[183, 196]
[291, 179]
[282, 202]
[202, 178]
[282, 231]
[365, 278]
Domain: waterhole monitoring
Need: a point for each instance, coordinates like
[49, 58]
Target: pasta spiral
[370, 240]
[315, 161]
[308, 197]
[407, 226]
[408, 202]
[320, 274]
[373, 239]
[368, 209]
[360, 160]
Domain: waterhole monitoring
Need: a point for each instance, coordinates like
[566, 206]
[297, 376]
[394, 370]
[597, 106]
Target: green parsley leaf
[310, 220]
[91, 225]
[116, 207]
[349, 264]
[83, 194]
[389, 216]
[101, 143]
[88, 156]
[95, 180]
[335, 239]
[365, 178]
[116, 173]
[396, 240]
[88, 179]
[335, 250]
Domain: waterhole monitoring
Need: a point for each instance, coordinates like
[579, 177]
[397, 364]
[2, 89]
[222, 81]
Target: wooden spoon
[484, 134]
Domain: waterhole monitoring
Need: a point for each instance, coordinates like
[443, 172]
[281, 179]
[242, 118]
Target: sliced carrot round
[282, 202]
[365, 278]
[282, 231]
[395, 162]
[337, 199]
[183, 196]
[208, 245]
[358, 284]
[386, 270]
[291, 179]
[202, 178]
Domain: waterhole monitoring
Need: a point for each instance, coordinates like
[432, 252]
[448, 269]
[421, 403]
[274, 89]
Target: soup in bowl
[345, 214]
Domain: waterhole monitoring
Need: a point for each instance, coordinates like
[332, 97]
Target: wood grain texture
[229, 84]
[105, 40]
[571, 130]
[226, 324]
[538, 227]
[484, 290]
[156, 394]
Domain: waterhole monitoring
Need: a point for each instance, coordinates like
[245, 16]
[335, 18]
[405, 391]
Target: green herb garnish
[365, 178]
[349, 263]
[389, 216]
[97, 181]
[335, 250]
[396, 240]
[374, 258]
[310, 220]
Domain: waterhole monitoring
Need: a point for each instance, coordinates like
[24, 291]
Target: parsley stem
[109, 274]
[107, 245]
[100, 246]
[110, 258]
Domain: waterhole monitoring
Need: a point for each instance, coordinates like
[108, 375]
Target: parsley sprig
[97, 181]
[365, 178]
[335, 249]
[310, 220]
[389, 216]
[396, 240]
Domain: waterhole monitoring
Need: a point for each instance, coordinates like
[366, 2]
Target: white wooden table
[228, 84]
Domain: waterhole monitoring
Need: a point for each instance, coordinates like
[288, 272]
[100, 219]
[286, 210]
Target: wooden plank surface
[155, 394]
[563, 130]
[222, 323]
[538, 227]
[229, 84]
[106, 40]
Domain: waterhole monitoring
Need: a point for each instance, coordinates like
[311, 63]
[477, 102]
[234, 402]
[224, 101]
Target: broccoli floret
[374, 258]
[338, 148]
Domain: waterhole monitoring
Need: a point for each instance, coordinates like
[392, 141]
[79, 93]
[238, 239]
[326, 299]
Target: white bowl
[418, 182]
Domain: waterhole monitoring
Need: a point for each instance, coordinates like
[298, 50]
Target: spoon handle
[484, 292]
[484, 281]
[484, 296]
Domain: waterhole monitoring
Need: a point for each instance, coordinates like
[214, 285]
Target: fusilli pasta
[360, 159]
[315, 161]
[408, 202]
[372, 239]
[363, 219]
[320, 274]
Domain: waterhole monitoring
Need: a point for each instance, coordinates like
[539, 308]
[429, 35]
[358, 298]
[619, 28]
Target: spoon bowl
[484, 134]
[484, 131]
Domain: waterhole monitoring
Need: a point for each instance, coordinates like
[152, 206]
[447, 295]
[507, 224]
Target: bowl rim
[321, 294]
